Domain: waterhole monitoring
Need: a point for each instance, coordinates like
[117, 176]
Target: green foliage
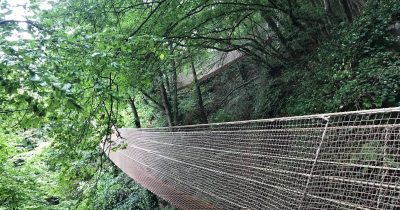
[73, 77]
[25, 181]
[358, 69]
[118, 191]
[223, 116]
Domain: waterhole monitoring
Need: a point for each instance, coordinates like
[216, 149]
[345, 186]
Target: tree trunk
[203, 115]
[167, 84]
[134, 111]
[347, 10]
[327, 7]
[165, 101]
[174, 89]
[271, 23]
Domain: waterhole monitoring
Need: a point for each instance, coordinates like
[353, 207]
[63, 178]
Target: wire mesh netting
[329, 161]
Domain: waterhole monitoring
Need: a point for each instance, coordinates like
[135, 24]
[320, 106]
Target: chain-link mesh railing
[330, 161]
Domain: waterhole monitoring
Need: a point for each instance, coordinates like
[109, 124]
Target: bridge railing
[330, 161]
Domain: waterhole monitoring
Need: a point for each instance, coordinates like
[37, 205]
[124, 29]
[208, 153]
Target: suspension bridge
[348, 160]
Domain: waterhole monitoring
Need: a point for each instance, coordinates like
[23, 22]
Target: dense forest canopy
[73, 70]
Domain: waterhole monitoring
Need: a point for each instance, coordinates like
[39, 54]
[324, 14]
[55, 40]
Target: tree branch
[237, 88]
[147, 19]
[159, 106]
[29, 22]
[12, 111]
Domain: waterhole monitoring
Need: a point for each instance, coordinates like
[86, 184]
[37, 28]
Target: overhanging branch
[29, 22]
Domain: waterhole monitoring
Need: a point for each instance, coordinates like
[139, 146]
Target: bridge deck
[147, 177]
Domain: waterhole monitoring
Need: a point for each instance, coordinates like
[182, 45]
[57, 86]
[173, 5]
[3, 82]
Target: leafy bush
[359, 68]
